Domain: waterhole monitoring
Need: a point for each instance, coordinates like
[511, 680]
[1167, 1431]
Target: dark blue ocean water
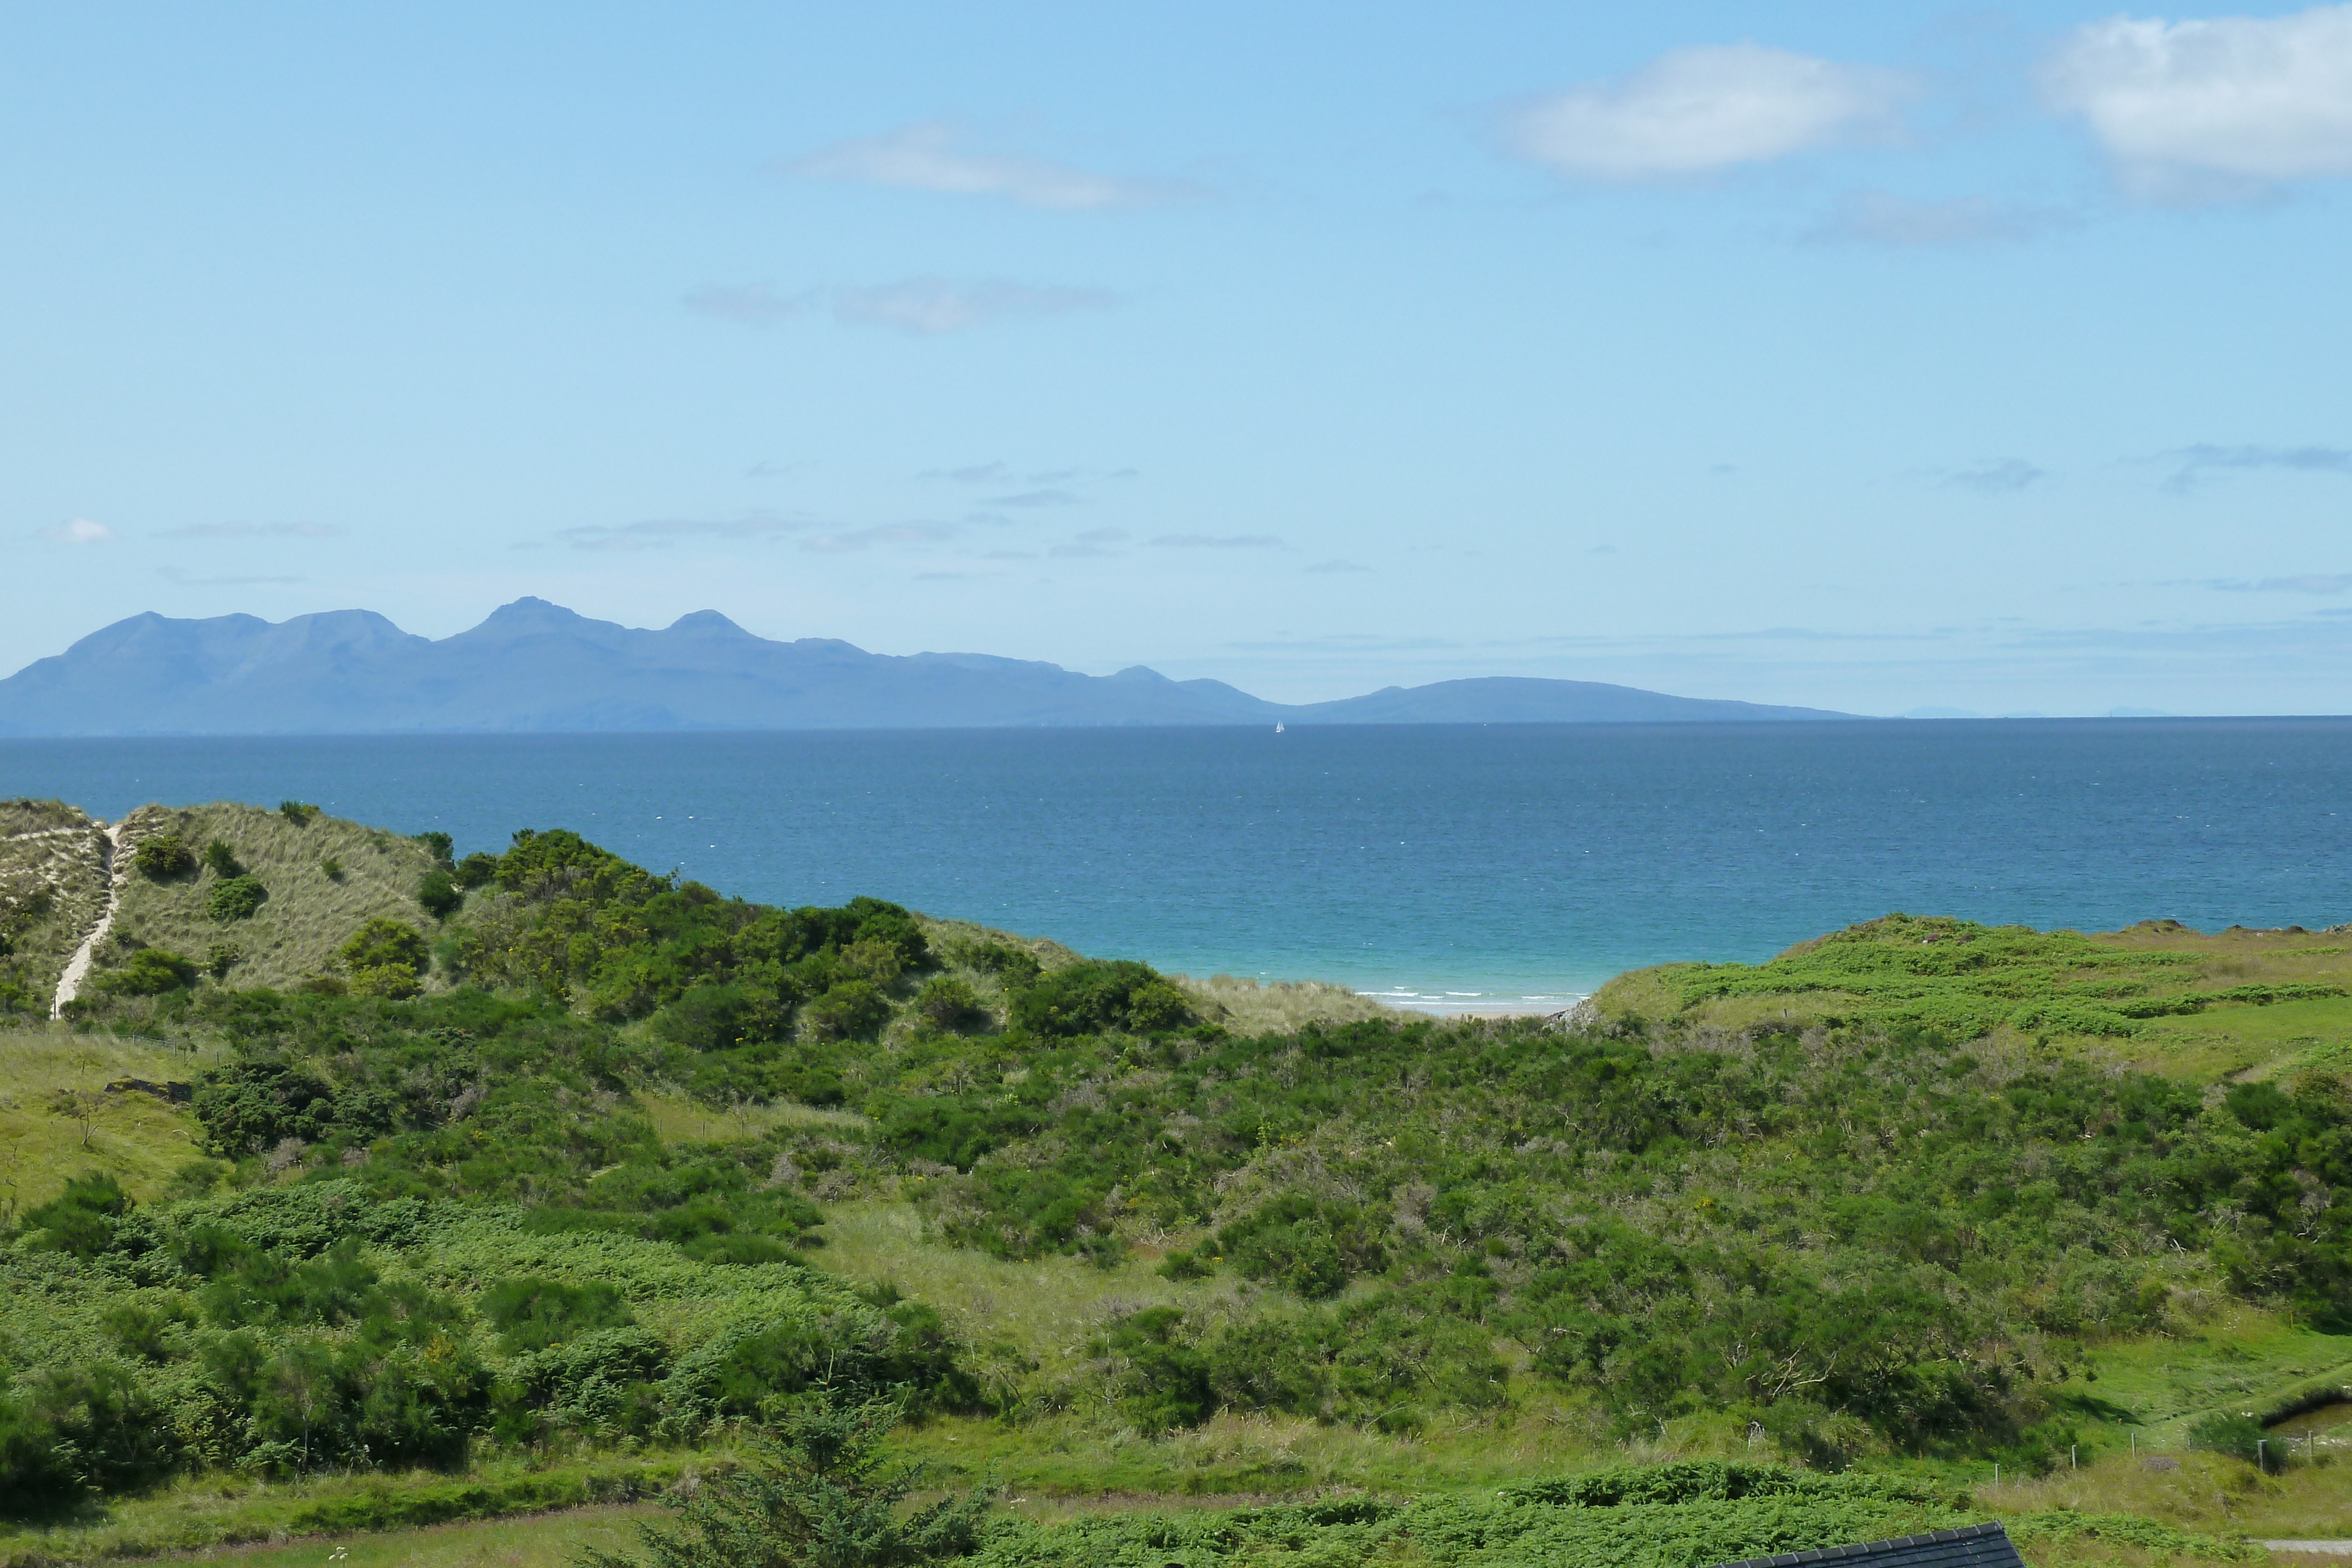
[1507, 864]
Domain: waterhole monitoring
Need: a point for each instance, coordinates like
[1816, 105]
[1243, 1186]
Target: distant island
[534, 666]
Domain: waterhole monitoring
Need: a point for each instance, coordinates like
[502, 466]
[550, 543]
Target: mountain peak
[708, 622]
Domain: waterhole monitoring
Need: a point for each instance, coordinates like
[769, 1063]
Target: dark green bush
[438, 846]
[476, 869]
[947, 1002]
[163, 857]
[221, 859]
[439, 895]
[236, 898]
[1303, 1245]
[38, 1473]
[80, 1220]
[820, 1494]
[1165, 1382]
[118, 1431]
[2240, 1436]
[1095, 997]
[298, 812]
[148, 972]
[531, 1313]
[853, 1009]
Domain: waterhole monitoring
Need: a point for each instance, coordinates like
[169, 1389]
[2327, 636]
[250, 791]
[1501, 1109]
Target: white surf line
[77, 967]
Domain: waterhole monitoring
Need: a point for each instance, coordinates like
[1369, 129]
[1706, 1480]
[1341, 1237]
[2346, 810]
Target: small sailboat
[1277, 727]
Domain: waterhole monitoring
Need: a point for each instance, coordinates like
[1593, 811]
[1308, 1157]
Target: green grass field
[56, 1118]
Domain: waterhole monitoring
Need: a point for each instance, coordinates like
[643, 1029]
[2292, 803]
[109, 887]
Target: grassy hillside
[2237, 1004]
[53, 884]
[321, 879]
[563, 1192]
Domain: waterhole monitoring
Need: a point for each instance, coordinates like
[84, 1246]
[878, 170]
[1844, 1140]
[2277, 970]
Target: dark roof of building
[1977, 1546]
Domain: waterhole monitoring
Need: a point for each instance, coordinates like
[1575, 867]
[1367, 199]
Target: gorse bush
[821, 1494]
[163, 857]
[236, 898]
[385, 958]
[148, 972]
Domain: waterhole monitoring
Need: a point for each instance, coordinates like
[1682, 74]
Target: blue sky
[1878, 356]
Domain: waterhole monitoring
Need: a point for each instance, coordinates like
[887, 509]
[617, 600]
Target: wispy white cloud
[2310, 582]
[2217, 108]
[185, 578]
[2192, 465]
[661, 533]
[933, 156]
[1051, 497]
[80, 531]
[926, 306]
[881, 534]
[1701, 110]
[752, 304]
[921, 307]
[1217, 541]
[1995, 476]
[253, 531]
[1881, 217]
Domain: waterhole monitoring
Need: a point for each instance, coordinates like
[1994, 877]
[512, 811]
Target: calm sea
[1513, 865]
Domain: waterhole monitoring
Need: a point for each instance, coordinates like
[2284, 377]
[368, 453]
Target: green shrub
[476, 869]
[1303, 1245]
[331, 869]
[1017, 967]
[221, 859]
[947, 1002]
[298, 812]
[1093, 998]
[531, 1313]
[385, 957]
[236, 898]
[438, 894]
[82, 1218]
[118, 1430]
[437, 845]
[220, 957]
[148, 972]
[818, 1494]
[850, 1011]
[163, 857]
[38, 1473]
[1165, 1382]
[2240, 1436]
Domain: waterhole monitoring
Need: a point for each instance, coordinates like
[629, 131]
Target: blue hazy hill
[536, 666]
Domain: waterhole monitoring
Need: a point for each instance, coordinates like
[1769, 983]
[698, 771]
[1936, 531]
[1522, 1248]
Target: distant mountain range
[536, 666]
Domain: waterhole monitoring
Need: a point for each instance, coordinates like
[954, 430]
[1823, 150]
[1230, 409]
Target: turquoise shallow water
[1511, 866]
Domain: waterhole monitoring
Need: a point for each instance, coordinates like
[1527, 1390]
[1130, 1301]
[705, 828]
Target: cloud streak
[1217, 541]
[1999, 477]
[932, 156]
[253, 531]
[924, 307]
[1703, 111]
[2311, 582]
[2194, 463]
[1881, 217]
[80, 531]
